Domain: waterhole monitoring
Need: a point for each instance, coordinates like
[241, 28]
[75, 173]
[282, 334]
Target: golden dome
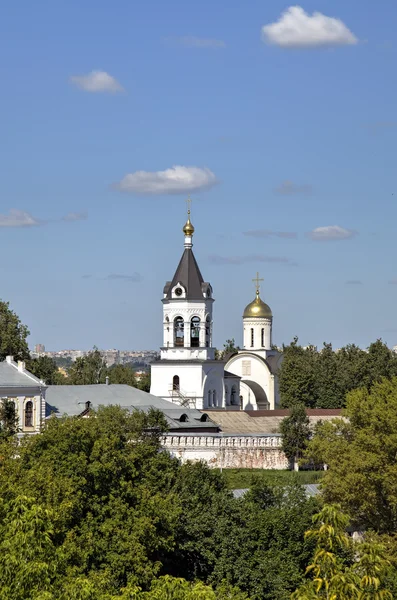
[188, 228]
[257, 309]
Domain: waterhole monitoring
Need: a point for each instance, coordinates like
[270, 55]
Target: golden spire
[188, 228]
[256, 280]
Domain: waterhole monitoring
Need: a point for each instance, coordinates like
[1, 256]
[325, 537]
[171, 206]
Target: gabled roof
[11, 376]
[189, 275]
[72, 400]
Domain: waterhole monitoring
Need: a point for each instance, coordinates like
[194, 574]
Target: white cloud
[75, 216]
[176, 180]
[298, 29]
[19, 218]
[191, 41]
[331, 233]
[97, 81]
[289, 188]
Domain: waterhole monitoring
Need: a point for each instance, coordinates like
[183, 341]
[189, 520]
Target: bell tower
[187, 308]
[187, 372]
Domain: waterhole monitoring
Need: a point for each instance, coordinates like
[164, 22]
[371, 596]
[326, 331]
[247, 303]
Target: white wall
[228, 451]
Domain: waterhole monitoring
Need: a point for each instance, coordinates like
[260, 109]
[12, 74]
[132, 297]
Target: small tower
[257, 323]
[187, 371]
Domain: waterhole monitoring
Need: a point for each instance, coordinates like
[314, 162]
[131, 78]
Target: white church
[188, 373]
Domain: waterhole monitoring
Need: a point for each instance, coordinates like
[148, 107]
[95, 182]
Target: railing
[183, 398]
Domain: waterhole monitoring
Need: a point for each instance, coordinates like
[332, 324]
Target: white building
[187, 372]
[26, 391]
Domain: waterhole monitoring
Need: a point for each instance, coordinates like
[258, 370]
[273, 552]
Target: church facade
[188, 373]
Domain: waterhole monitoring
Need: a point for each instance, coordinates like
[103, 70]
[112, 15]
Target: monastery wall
[228, 451]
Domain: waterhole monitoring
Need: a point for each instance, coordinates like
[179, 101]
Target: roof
[11, 376]
[262, 421]
[72, 400]
[189, 275]
[228, 374]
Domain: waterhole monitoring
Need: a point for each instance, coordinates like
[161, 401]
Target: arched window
[29, 414]
[214, 398]
[209, 398]
[179, 332]
[252, 337]
[184, 418]
[233, 396]
[175, 383]
[263, 337]
[195, 332]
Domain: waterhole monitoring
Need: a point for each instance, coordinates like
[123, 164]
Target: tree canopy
[360, 453]
[321, 379]
[295, 432]
[93, 508]
[13, 334]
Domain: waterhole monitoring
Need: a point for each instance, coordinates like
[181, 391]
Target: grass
[244, 478]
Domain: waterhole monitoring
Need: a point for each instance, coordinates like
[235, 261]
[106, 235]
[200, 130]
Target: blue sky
[283, 120]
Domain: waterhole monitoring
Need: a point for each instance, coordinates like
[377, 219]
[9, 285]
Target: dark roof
[229, 374]
[189, 275]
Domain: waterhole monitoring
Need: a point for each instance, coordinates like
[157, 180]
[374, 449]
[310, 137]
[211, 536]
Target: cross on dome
[256, 280]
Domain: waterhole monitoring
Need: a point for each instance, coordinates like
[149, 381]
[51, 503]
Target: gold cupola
[257, 309]
[188, 228]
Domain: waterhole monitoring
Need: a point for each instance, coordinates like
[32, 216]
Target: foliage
[144, 382]
[229, 347]
[88, 370]
[106, 514]
[340, 568]
[360, 454]
[297, 377]
[122, 374]
[13, 334]
[321, 379]
[45, 368]
[295, 432]
[8, 418]
[245, 478]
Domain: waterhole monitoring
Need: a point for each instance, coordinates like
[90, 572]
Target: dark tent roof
[188, 274]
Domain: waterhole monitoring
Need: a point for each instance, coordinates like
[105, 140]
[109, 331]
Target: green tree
[8, 418]
[295, 432]
[381, 362]
[88, 370]
[329, 393]
[13, 334]
[297, 375]
[122, 374]
[229, 347]
[340, 569]
[360, 453]
[45, 368]
[28, 561]
[352, 368]
[144, 382]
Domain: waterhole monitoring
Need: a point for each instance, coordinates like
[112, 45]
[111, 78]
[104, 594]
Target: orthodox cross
[189, 203]
[257, 280]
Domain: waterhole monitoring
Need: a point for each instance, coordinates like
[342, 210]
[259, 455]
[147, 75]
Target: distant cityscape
[139, 358]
